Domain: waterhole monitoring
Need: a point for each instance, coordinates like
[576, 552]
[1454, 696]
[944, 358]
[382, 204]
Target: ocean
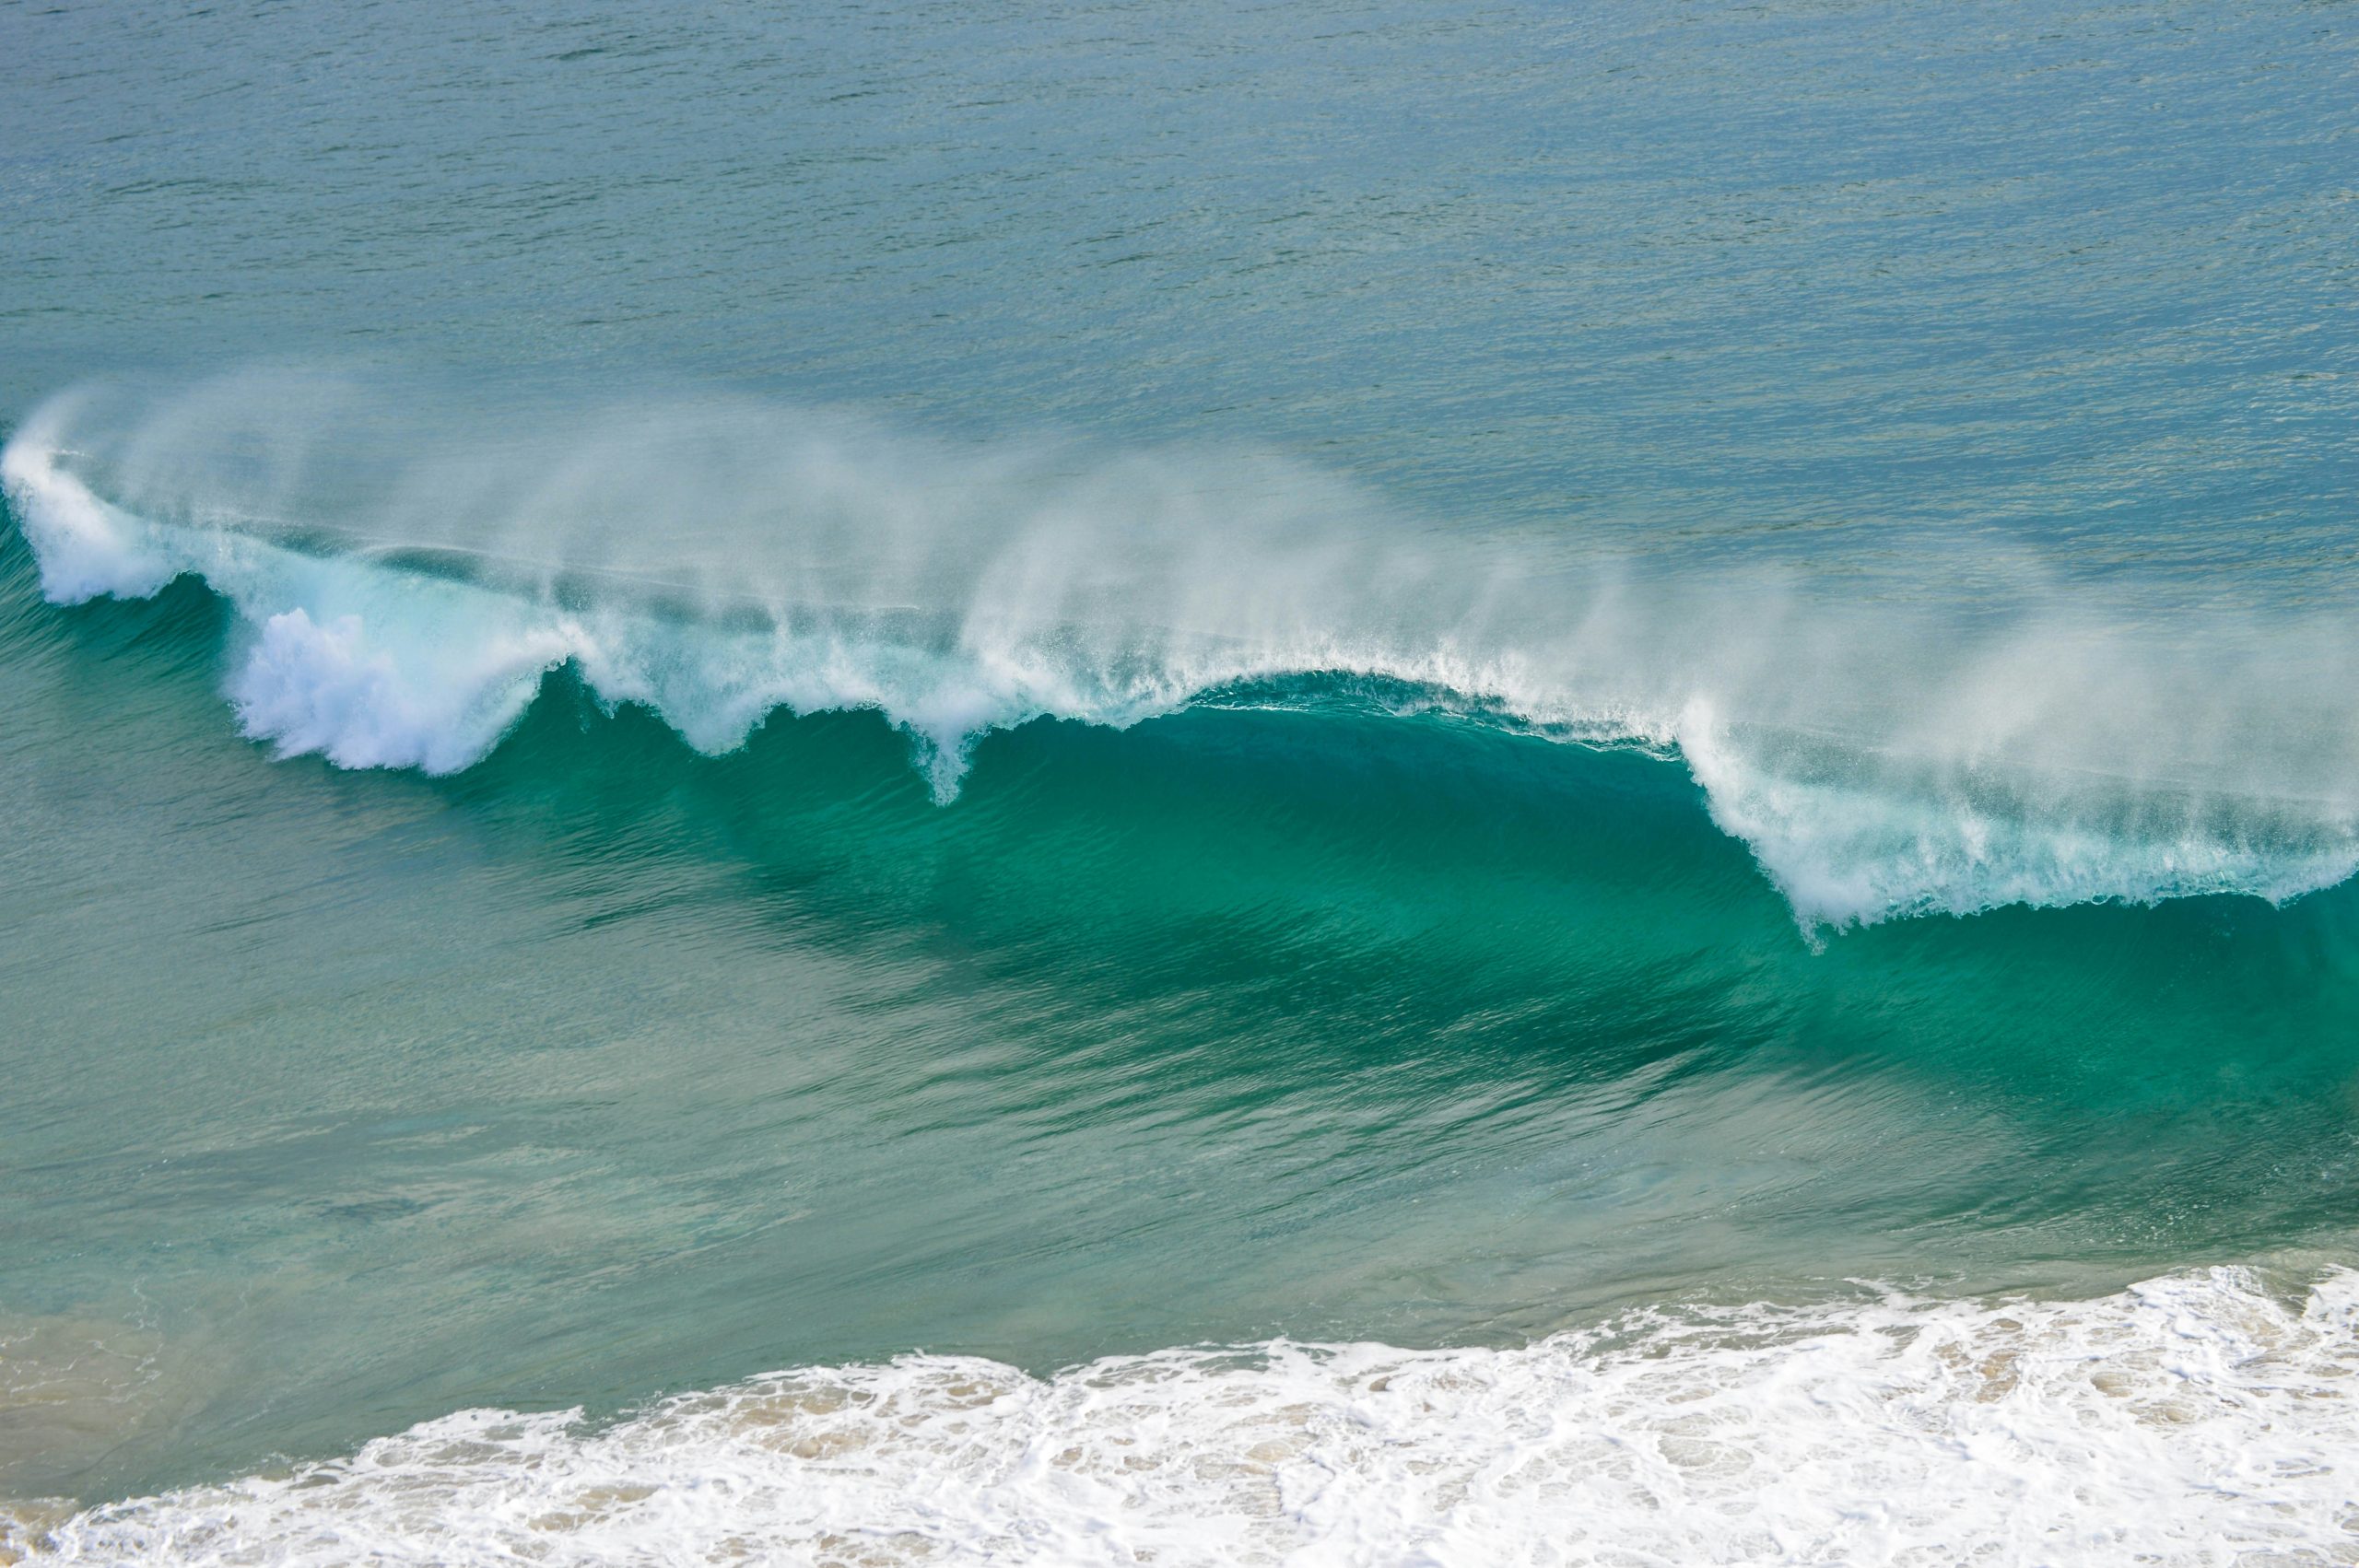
[1315, 783]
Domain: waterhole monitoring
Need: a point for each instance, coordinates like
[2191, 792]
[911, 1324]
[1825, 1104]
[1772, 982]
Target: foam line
[2196, 1418]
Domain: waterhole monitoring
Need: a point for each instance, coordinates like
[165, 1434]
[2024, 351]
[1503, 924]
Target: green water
[605, 1068]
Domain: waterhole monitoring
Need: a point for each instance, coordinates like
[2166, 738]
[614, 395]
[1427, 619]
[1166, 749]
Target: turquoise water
[688, 693]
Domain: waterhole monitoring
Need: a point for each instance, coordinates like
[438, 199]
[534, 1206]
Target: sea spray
[406, 584]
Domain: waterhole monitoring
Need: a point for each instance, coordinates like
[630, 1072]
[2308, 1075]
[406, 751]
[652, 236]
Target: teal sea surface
[1330, 783]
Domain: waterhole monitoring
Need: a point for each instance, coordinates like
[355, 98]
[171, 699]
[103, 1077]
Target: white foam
[1879, 759]
[2194, 1420]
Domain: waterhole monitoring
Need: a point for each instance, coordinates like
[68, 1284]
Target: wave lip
[718, 561]
[2194, 1418]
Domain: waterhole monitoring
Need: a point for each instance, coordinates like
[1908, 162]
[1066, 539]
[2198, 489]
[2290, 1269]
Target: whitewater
[715, 560]
[2199, 1419]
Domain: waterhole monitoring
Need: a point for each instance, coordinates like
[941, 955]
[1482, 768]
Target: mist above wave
[407, 570]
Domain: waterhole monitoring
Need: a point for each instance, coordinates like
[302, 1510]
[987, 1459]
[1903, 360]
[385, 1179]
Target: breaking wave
[406, 581]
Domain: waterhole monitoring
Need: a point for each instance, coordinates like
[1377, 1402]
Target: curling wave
[2195, 1418]
[404, 584]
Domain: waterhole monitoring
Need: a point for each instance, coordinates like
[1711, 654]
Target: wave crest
[404, 585]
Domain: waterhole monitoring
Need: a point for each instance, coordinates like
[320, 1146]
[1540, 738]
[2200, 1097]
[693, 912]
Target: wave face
[2194, 1418]
[406, 582]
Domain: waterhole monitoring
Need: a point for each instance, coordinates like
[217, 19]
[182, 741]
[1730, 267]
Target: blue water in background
[1673, 277]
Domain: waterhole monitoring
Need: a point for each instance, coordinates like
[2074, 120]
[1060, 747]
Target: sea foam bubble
[2197, 1419]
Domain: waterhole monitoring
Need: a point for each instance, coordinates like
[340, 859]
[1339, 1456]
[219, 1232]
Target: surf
[404, 584]
[2065, 1431]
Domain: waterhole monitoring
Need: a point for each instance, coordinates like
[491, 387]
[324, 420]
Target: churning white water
[2194, 1418]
